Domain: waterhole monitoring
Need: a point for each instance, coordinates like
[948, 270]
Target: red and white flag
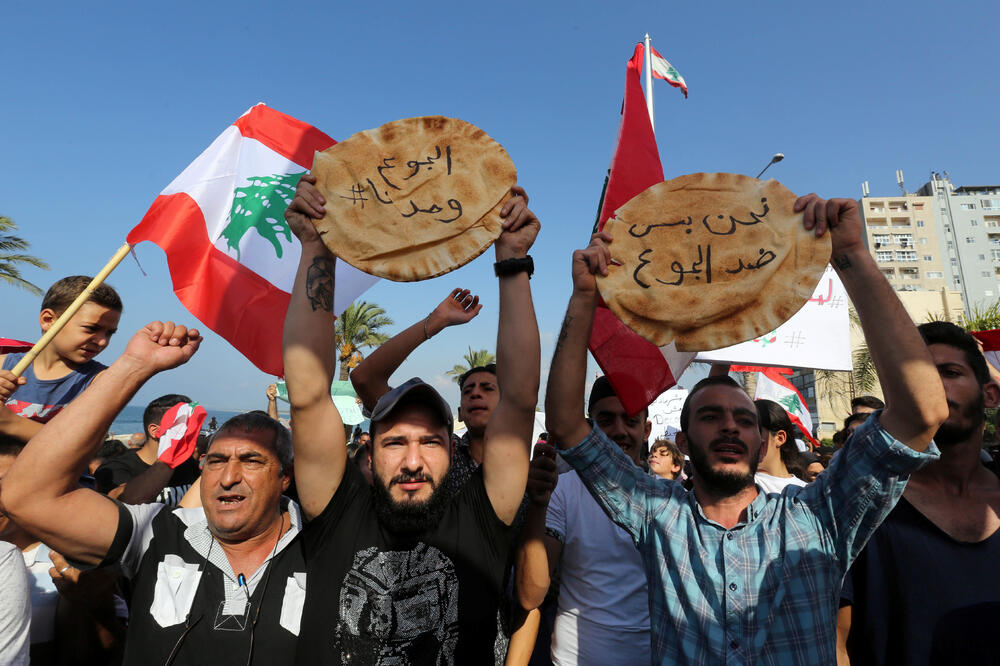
[179, 430]
[12, 346]
[232, 256]
[990, 340]
[638, 370]
[662, 69]
[772, 385]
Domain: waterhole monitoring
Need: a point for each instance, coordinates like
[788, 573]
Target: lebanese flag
[179, 430]
[232, 256]
[662, 69]
[772, 385]
[638, 370]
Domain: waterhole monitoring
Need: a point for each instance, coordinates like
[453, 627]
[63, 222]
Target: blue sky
[104, 105]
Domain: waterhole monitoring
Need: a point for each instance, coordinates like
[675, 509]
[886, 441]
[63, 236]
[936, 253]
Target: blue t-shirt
[40, 400]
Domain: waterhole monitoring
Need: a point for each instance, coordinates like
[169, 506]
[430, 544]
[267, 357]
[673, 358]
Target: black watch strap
[513, 266]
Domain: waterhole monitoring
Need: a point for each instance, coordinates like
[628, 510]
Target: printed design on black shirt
[399, 607]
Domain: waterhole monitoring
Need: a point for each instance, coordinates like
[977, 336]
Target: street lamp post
[774, 160]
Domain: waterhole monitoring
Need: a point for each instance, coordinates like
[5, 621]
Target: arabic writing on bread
[701, 267]
[368, 191]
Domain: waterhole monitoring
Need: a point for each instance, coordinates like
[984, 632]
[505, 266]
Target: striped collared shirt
[767, 590]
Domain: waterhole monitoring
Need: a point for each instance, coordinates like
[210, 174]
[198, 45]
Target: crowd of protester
[276, 541]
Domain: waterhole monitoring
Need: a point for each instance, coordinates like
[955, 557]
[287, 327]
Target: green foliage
[473, 359]
[11, 258]
[865, 375]
[358, 326]
[982, 318]
[860, 381]
[991, 430]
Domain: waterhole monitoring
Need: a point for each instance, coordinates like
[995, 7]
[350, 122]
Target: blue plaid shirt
[767, 590]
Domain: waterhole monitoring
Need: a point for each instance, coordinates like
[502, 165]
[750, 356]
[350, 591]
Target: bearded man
[896, 608]
[736, 575]
[404, 571]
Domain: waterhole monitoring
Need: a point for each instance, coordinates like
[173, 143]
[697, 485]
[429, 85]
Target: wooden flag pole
[71, 310]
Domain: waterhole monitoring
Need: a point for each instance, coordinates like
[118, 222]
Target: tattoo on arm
[842, 262]
[319, 284]
[564, 332]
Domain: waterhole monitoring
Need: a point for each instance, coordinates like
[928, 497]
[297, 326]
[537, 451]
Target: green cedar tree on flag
[773, 385]
[662, 69]
[221, 223]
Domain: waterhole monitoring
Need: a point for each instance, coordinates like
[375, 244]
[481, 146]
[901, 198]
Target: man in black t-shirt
[402, 572]
[925, 589]
[159, 482]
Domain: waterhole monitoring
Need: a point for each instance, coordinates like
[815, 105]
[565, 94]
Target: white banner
[817, 336]
[665, 413]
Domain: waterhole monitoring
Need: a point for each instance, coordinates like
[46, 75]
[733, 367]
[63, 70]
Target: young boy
[665, 459]
[66, 366]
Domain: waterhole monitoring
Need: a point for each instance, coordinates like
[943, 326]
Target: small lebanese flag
[232, 256]
[179, 429]
[771, 385]
[662, 69]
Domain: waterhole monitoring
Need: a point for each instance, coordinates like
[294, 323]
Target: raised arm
[914, 395]
[272, 401]
[371, 378]
[538, 553]
[564, 417]
[40, 491]
[144, 487]
[317, 429]
[508, 434]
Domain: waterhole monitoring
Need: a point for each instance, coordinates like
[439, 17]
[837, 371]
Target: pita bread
[414, 198]
[710, 260]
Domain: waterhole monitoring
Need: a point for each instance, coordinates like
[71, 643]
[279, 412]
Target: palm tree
[473, 359]
[358, 327]
[861, 380]
[10, 245]
[982, 318]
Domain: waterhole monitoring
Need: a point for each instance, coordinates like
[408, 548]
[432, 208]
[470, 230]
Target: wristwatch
[514, 266]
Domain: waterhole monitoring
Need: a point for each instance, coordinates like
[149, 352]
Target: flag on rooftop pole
[232, 256]
[772, 385]
[662, 69]
[637, 369]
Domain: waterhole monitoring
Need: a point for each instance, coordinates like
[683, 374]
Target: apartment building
[942, 236]
[903, 235]
[969, 221]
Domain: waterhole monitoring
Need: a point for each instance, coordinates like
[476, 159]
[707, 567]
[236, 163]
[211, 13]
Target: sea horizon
[129, 420]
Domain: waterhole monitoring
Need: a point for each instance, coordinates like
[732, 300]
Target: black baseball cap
[418, 390]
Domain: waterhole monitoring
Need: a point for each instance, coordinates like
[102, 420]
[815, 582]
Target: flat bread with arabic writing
[414, 198]
[710, 260]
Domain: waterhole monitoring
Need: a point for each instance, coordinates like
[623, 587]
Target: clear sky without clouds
[105, 105]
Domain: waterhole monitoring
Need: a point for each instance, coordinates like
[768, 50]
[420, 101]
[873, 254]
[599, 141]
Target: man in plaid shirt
[735, 575]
